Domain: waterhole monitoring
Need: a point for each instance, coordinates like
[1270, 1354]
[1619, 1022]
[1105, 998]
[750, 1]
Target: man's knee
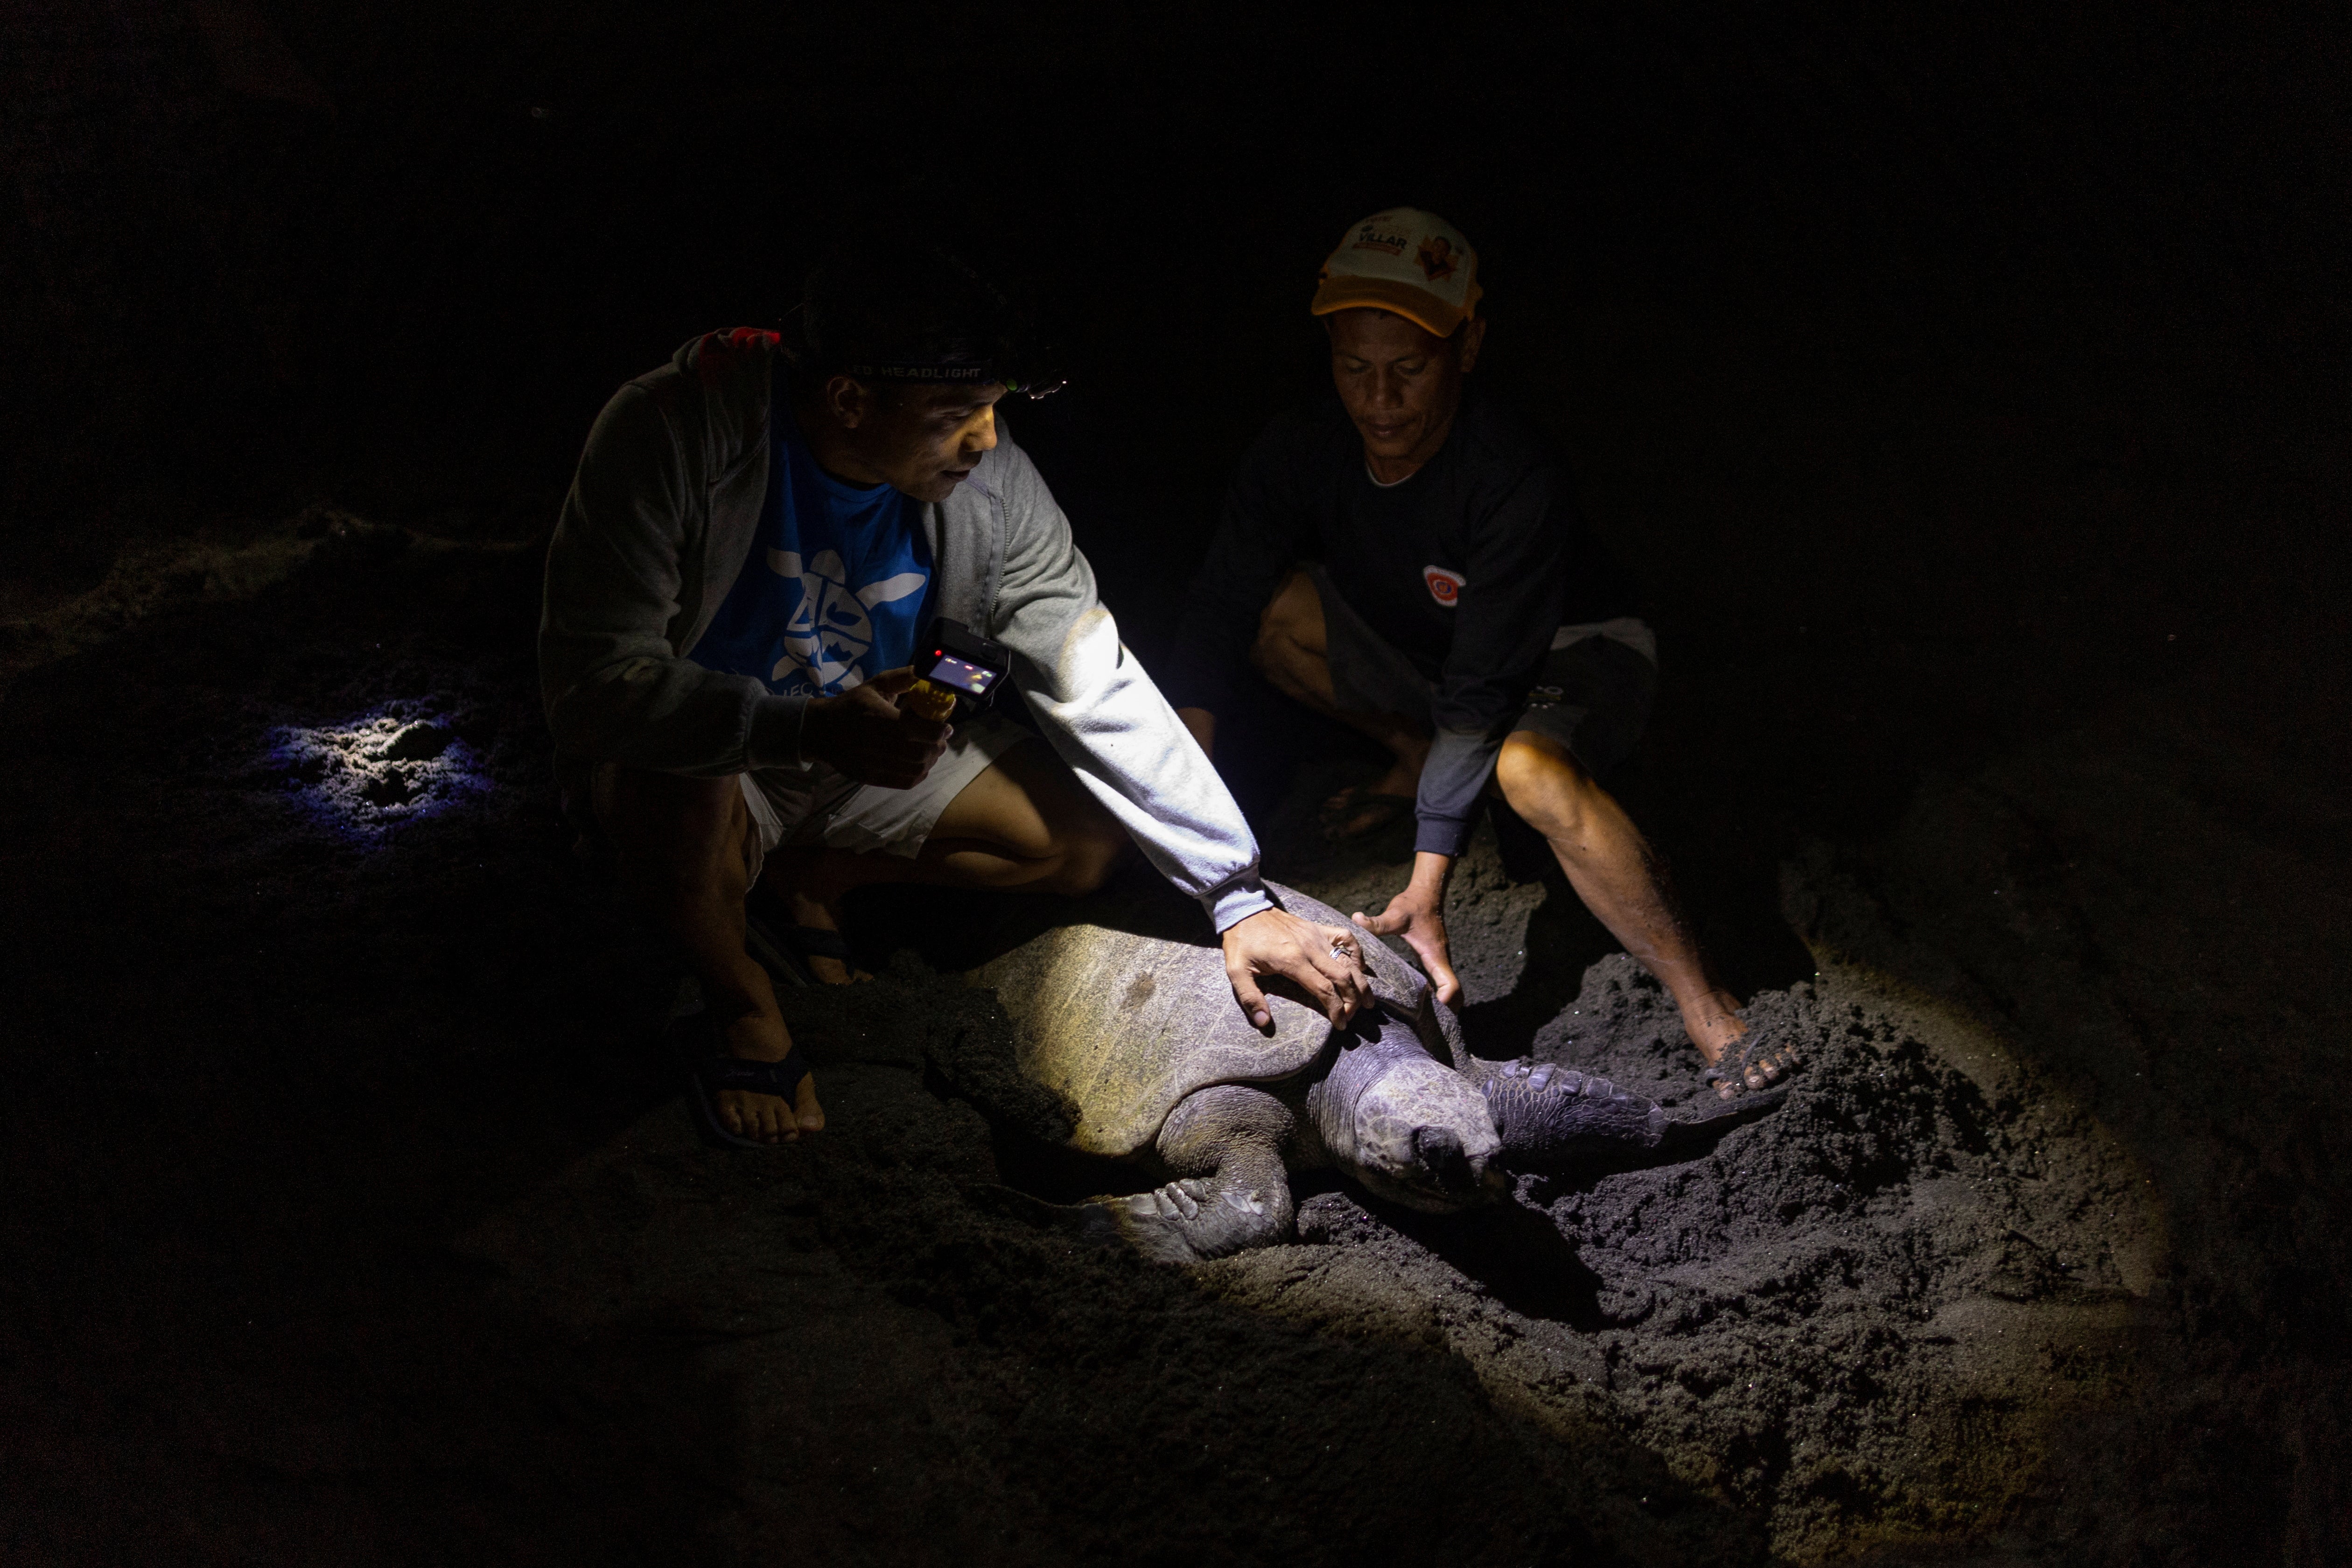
[1275, 648]
[1290, 628]
[1542, 782]
[670, 828]
[1089, 847]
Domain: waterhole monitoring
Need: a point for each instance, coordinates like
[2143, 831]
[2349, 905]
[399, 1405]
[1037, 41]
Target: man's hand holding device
[891, 729]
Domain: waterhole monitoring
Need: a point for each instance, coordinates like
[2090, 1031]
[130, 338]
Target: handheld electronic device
[953, 667]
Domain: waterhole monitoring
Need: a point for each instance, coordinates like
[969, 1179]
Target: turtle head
[1424, 1137]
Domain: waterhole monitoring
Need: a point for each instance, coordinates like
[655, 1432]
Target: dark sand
[1889, 1310]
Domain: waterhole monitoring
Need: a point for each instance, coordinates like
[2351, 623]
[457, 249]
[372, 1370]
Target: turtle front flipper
[1194, 1218]
[1231, 1192]
[1546, 1114]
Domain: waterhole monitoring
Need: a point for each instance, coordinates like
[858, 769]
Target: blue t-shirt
[834, 590]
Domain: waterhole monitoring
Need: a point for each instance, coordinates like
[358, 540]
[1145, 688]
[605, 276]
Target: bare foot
[1366, 808]
[765, 1118]
[1357, 810]
[1719, 1031]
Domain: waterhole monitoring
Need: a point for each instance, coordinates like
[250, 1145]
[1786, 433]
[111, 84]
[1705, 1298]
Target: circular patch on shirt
[1444, 587]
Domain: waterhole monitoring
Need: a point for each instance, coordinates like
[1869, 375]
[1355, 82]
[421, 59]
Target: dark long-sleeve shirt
[1467, 568]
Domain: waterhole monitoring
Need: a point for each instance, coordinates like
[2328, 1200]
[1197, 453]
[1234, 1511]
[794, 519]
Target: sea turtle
[1127, 1018]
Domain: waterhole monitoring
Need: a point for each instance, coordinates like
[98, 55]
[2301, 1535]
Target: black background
[1812, 298]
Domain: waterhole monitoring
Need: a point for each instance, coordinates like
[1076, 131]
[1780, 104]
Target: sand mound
[1856, 1314]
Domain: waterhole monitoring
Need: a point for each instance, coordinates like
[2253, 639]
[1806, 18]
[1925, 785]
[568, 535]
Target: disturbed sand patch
[402, 762]
[1851, 1321]
[1856, 1315]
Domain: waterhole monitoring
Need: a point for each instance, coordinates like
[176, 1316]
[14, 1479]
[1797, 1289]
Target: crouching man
[758, 535]
[1405, 558]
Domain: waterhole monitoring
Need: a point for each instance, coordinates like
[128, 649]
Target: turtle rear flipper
[1547, 1114]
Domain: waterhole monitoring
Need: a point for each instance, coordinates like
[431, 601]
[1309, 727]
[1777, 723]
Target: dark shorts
[1592, 695]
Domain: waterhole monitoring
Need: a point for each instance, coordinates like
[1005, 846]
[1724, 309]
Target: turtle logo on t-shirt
[829, 631]
[1444, 587]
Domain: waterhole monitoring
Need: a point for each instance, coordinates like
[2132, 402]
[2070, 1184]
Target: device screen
[949, 670]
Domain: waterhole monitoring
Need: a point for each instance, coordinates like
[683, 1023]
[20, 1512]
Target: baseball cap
[1406, 260]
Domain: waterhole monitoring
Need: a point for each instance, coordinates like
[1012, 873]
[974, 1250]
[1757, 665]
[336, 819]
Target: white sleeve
[1102, 713]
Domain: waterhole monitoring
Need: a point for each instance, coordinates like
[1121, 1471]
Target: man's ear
[848, 400]
[1474, 332]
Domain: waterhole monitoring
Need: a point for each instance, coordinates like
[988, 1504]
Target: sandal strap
[815, 941]
[779, 1078]
[767, 910]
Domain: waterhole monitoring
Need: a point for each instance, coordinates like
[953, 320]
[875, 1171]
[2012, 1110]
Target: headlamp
[1027, 383]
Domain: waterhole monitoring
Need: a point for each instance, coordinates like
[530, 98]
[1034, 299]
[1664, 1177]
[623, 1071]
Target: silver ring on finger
[1342, 948]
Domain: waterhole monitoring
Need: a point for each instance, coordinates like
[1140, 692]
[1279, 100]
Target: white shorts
[818, 804]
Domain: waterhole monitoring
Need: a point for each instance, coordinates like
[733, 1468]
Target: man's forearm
[1098, 708]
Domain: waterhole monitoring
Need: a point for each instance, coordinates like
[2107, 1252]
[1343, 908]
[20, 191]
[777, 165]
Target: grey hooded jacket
[661, 517]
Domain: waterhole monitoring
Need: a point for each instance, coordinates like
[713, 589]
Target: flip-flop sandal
[1358, 813]
[1731, 1068]
[710, 1072]
[784, 949]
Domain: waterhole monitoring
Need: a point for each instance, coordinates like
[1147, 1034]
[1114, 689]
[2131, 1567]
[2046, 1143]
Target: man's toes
[740, 1114]
[806, 1112]
[774, 1125]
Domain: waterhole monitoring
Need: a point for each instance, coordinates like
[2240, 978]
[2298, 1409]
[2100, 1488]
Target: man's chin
[1391, 448]
[939, 485]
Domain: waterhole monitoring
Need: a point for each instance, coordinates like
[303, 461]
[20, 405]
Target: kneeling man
[1405, 558]
[759, 533]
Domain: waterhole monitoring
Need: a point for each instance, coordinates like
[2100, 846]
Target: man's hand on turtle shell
[1325, 961]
